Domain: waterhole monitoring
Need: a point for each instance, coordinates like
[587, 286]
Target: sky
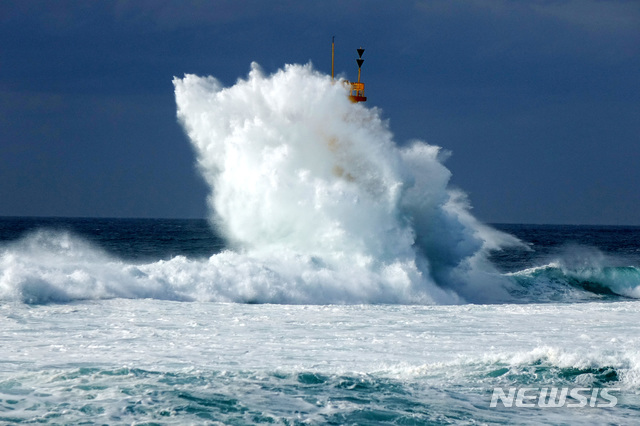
[537, 101]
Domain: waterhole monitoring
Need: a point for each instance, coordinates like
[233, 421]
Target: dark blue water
[129, 239]
[549, 241]
[149, 239]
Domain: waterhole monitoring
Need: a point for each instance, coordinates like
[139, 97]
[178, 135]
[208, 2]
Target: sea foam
[313, 188]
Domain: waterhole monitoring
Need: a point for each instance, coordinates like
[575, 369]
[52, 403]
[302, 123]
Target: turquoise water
[125, 361]
[154, 352]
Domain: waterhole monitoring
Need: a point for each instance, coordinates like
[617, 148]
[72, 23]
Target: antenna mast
[356, 90]
[333, 51]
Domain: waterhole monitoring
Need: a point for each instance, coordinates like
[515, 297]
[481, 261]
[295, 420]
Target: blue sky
[538, 101]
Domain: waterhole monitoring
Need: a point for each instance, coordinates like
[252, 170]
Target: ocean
[339, 279]
[112, 354]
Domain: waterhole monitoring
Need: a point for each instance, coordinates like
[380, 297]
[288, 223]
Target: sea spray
[576, 272]
[50, 266]
[313, 188]
[317, 202]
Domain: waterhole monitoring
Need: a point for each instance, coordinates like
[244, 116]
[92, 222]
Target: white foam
[50, 266]
[298, 172]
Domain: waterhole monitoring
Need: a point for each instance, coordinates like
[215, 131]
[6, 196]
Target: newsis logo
[552, 397]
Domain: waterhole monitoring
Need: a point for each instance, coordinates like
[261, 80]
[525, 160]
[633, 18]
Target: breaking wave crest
[579, 273]
[312, 188]
[58, 267]
[317, 203]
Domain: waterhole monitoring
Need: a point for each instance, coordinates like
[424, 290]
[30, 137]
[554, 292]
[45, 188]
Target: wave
[452, 392]
[579, 273]
[603, 281]
[311, 187]
[318, 204]
[542, 365]
[58, 267]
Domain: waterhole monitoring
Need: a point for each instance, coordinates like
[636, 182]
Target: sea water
[135, 356]
[338, 280]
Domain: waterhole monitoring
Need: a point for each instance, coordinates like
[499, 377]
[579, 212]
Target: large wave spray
[313, 188]
[318, 205]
